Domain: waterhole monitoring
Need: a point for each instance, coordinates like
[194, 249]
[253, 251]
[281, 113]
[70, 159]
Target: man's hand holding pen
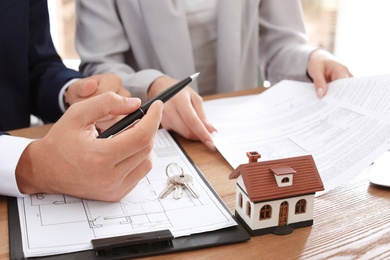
[87, 167]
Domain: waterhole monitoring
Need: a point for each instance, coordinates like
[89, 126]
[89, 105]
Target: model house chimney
[253, 156]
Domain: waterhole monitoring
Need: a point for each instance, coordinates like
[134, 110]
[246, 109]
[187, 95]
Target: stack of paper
[345, 131]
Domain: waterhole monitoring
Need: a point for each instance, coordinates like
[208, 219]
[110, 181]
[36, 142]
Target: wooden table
[350, 222]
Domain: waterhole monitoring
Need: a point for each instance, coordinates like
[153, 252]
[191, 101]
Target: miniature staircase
[283, 230]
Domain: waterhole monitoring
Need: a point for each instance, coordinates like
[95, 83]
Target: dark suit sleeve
[47, 72]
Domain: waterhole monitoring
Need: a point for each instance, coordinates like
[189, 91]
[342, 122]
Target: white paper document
[55, 224]
[344, 132]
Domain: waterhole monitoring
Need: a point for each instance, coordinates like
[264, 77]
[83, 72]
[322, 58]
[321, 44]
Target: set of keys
[177, 183]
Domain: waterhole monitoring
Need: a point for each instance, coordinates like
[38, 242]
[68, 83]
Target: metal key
[171, 186]
[186, 181]
[178, 182]
[178, 190]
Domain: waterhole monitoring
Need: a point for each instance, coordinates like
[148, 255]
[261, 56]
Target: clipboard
[219, 237]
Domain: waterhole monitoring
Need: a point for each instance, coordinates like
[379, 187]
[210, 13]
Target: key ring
[169, 165]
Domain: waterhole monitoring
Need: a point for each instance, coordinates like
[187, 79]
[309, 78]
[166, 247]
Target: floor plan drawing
[61, 223]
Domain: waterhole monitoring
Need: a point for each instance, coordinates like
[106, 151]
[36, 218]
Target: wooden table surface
[350, 222]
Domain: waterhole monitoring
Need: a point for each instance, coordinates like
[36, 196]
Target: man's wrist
[27, 171]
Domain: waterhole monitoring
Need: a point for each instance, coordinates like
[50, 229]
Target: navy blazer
[31, 72]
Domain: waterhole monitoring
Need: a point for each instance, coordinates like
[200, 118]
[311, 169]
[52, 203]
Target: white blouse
[202, 23]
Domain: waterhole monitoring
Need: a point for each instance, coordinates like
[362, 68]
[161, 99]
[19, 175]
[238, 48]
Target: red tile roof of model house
[260, 183]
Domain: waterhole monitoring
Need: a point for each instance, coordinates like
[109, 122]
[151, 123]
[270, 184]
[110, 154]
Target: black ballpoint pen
[134, 117]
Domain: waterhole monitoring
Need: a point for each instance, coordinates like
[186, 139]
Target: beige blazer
[140, 40]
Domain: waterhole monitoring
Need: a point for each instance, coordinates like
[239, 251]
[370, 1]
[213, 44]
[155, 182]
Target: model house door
[283, 213]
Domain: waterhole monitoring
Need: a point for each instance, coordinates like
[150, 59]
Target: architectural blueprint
[54, 223]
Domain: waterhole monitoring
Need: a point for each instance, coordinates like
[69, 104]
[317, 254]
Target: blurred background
[353, 30]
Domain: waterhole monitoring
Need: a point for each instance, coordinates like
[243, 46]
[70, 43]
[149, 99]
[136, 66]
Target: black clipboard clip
[132, 245]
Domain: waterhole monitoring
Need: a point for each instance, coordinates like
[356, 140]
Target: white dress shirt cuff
[11, 149]
[61, 95]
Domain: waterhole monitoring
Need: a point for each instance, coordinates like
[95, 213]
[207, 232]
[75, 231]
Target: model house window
[248, 208]
[240, 200]
[285, 180]
[266, 212]
[300, 207]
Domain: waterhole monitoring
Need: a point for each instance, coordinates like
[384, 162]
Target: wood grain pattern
[350, 222]
[4, 246]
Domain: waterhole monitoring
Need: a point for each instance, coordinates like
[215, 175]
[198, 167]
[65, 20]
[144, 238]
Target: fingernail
[213, 129]
[320, 92]
[134, 101]
[210, 145]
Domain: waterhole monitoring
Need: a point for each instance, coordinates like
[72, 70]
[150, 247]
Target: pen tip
[193, 77]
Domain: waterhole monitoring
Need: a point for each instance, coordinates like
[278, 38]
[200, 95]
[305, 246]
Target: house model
[276, 196]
